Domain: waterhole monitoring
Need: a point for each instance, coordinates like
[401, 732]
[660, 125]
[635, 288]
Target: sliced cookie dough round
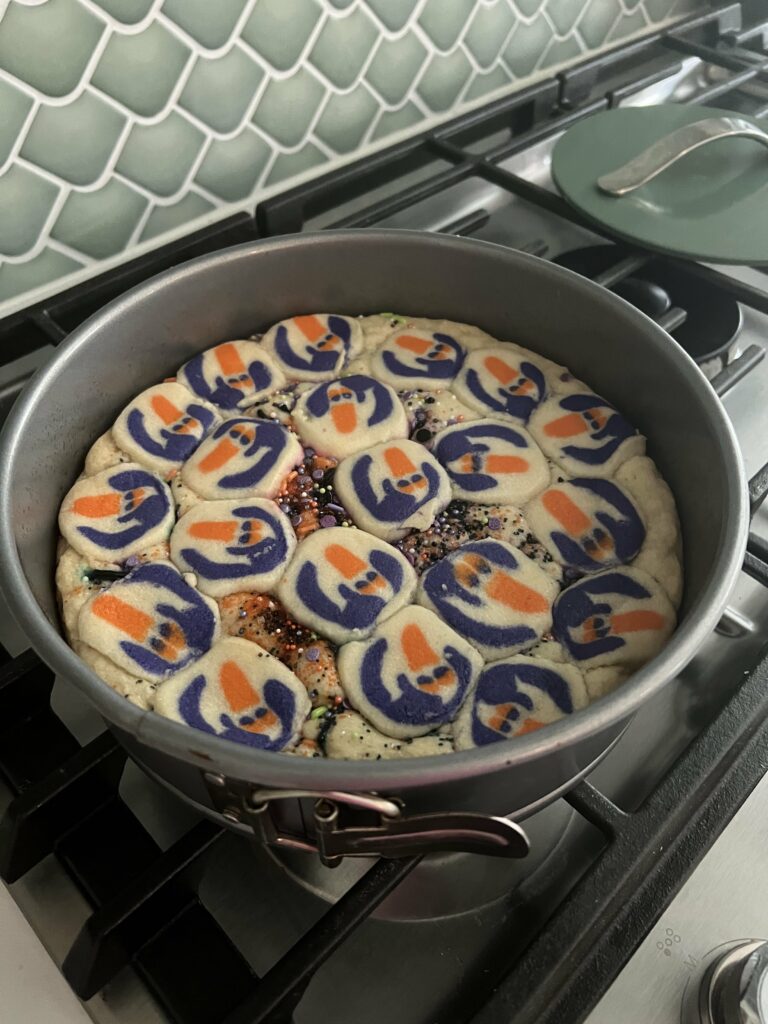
[233, 546]
[151, 623]
[239, 692]
[162, 426]
[116, 513]
[492, 462]
[617, 617]
[661, 553]
[392, 488]
[585, 435]
[231, 375]
[418, 357]
[243, 458]
[315, 347]
[348, 415]
[502, 381]
[349, 737]
[588, 524]
[492, 595]
[342, 582]
[411, 675]
[517, 696]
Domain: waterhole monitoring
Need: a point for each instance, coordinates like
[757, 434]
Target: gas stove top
[157, 916]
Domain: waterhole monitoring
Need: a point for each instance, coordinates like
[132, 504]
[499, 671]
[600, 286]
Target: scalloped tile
[345, 119]
[232, 167]
[99, 223]
[560, 51]
[159, 157]
[315, 80]
[128, 12]
[92, 124]
[49, 45]
[443, 79]
[488, 32]
[209, 22]
[166, 218]
[563, 14]
[444, 22]
[15, 106]
[343, 46]
[48, 265]
[290, 165]
[598, 19]
[629, 24]
[486, 82]
[392, 121]
[527, 7]
[395, 65]
[658, 9]
[393, 13]
[142, 69]
[220, 90]
[299, 97]
[526, 45]
[279, 29]
[26, 200]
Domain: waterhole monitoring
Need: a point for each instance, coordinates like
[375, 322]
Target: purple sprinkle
[313, 653]
[317, 474]
[296, 520]
[309, 452]
[332, 507]
[304, 481]
[327, 521]
[494, 523]
[132, 561]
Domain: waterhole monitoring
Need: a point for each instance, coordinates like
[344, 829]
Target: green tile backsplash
[124, 120]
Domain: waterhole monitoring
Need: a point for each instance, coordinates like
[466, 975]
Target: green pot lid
[711, 205]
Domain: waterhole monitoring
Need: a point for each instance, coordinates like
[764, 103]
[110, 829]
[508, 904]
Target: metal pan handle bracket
[394, 836]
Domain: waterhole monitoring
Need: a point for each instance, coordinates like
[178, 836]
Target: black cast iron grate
[66, 801]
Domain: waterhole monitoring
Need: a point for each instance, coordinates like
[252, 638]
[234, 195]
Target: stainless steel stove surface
[157, 916]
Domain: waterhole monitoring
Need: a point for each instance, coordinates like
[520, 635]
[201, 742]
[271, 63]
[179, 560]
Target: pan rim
[210, 752]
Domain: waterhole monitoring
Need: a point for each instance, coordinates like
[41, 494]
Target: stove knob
[734, 989]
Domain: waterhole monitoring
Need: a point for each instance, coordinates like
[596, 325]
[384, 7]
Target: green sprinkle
[318, 712]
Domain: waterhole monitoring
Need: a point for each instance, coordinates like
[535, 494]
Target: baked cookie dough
[368, 538]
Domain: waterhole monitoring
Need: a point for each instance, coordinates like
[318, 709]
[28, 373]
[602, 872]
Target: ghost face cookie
[348, 415]
[313, 348]
[232, 375]
[491, 462]
[243, 458]
[116, 513]
[492, 595]
[152, 623]
[393, 488]
[414, 358]
[502, 381]
[411, 675]
[587, 524]
[239, 692]
[341, 583]
[617, 617]
[162, 426]
[585, 435]
[233, 546]
[517, 696]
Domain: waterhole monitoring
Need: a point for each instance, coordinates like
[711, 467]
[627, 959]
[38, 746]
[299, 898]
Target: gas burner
[713, 320]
